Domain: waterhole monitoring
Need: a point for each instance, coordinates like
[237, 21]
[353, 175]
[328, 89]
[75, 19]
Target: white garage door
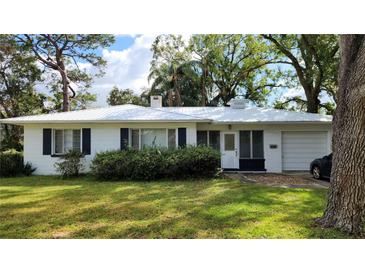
[300, 148]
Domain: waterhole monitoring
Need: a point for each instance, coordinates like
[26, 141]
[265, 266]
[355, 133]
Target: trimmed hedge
[11, 164]
[153, 163]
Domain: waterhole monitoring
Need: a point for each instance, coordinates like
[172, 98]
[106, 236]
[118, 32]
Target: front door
[230, 158]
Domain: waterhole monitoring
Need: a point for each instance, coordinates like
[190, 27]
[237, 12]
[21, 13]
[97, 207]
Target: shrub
[11, 164]
[28, 169]
[193, 162]
[153, 163]
[71, 164]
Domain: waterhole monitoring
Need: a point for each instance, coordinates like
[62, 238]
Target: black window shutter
[86, 141]
[47, 141]
[124, 138]
[182, 136]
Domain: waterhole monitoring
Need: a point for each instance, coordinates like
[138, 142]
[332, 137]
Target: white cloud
[128, 68]
[292, 92]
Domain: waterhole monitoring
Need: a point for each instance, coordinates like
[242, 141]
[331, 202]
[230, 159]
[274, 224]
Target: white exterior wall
[273, 162]
[272, 136]
[107, 137]
[103, 137]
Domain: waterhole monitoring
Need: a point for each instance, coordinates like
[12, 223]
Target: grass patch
[49, 207]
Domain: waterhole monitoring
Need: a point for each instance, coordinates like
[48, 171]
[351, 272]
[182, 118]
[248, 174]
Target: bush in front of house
[193, 162]
[71, 164]
[154, 163]
[146, 164]
[12, 164]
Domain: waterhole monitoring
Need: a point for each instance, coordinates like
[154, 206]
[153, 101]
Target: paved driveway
[284, 180]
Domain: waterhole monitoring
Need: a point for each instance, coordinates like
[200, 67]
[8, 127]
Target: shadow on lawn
[47, 207]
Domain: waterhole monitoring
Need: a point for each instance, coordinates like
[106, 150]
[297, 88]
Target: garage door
[300, 148]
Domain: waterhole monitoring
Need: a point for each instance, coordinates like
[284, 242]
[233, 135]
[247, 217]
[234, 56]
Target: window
[58, 141]
[229, 142]
[208, 138]
[151, 137]
[171, 136]
[135, 138]
[214, 139]
[257, 144]
[251, 144]
[202, 138]
[245, 144]
[66, 139]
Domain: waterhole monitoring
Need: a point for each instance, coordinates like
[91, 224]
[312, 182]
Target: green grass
[48, 207]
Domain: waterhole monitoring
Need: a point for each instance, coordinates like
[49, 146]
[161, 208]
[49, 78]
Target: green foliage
[71, 164]
[237, 65]
[62, 54]
[28, 169]
[80, 101]
[192, 162]
[11, 164]
[154, 163]
[124, 96]
[212, 69]
[170, 53]
[312, 64]
[18, 75]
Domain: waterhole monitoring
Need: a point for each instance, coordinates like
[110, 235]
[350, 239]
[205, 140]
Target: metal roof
[249, 115]
[133, 113]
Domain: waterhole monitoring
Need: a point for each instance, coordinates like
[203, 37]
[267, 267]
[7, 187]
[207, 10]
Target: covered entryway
[300, 148]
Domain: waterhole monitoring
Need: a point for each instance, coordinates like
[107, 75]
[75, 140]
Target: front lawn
[48, 207]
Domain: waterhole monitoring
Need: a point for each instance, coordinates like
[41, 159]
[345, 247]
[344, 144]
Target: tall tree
[124, 96]
[346, 200]
[169, 54]
[18, 75]
[236, 65]
[314, 59]
[63, 53]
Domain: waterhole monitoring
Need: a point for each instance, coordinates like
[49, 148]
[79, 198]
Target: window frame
[251, 145]
[63, 140]
[140, 137]
[208, 138]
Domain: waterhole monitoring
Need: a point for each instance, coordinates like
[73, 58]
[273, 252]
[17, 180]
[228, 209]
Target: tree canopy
[18, 75]
[124, 96]
[64, 54]
[314, 60]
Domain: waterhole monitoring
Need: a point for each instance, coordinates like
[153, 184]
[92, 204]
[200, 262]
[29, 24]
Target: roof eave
[19, 122]
[270, 122]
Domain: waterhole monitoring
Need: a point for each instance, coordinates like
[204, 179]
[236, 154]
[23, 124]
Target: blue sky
[122, 42]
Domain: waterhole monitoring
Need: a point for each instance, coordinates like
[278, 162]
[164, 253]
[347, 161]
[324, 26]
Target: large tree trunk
[312, 102]
[65, 92]
[346, 199]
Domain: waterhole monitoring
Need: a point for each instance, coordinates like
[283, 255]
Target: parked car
[321, 167]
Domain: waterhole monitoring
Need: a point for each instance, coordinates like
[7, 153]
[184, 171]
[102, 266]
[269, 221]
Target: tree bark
[312, 101]
[65, 92]
[346, 199]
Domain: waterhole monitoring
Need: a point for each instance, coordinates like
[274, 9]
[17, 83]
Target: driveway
[284, 180]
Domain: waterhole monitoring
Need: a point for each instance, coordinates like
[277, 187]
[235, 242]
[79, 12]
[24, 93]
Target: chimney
[156, 101]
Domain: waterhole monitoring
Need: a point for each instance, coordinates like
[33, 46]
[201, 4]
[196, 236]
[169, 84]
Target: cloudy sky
[128, 63]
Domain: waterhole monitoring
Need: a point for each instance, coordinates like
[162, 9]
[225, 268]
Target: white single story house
[249, 138]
